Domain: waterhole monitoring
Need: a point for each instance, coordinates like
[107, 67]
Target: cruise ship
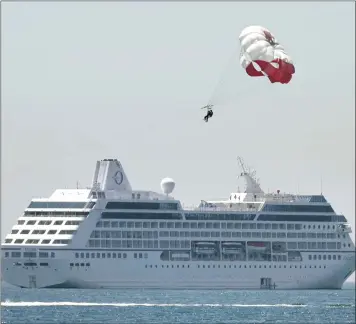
[111, 236]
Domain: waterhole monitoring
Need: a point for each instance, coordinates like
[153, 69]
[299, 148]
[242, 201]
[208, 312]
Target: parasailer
[262, 55]
[209, 113]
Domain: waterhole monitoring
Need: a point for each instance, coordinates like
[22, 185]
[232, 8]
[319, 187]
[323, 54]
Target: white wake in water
[51, 304]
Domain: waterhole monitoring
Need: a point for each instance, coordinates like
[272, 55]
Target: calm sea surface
[167, 306]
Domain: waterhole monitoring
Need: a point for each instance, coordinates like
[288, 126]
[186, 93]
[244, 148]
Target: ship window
[52, 232]
[301, 218]
[124, 255]
[209, 225]
[30, 241]
[60, 222]
[67, 232]
[30, 264]
[44, 222]
[331, 245]
[25, 231]
[61, 204]
[334, 257]
[339, 257]
[29, 254]
[43, 254]
[138, 224]
[68, 223]
[87, 264]
[298, 208]
[291, 235]
[193, 225]
[31, 222]
[185, 225]
[8, 240]
[45, 241]
[61, 241]
[20, 222]
[38, 231]
[114, 224]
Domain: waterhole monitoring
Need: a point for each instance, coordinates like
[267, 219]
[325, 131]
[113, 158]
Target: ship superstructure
[111, 236]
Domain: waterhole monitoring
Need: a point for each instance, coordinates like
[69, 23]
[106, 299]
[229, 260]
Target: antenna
[242, 164]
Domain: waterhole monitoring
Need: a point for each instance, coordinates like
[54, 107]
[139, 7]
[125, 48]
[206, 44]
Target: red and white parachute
[262, 55]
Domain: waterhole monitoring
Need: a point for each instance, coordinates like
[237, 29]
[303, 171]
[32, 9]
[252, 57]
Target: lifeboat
[205, 248]
[256, 246]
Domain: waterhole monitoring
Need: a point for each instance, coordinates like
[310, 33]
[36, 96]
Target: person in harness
[209, 113]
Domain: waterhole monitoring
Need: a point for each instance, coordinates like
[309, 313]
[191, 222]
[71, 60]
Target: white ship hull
[126, 274]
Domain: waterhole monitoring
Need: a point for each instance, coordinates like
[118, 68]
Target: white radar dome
[167, 185]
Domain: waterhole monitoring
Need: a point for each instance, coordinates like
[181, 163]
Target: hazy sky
[87, 81]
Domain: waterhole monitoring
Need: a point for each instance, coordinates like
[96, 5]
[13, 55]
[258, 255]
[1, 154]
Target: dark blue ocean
[168, 306]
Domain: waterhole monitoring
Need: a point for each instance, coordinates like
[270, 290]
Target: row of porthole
[319, 257]
[102, 255]
[79, 265]
[231, 266]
